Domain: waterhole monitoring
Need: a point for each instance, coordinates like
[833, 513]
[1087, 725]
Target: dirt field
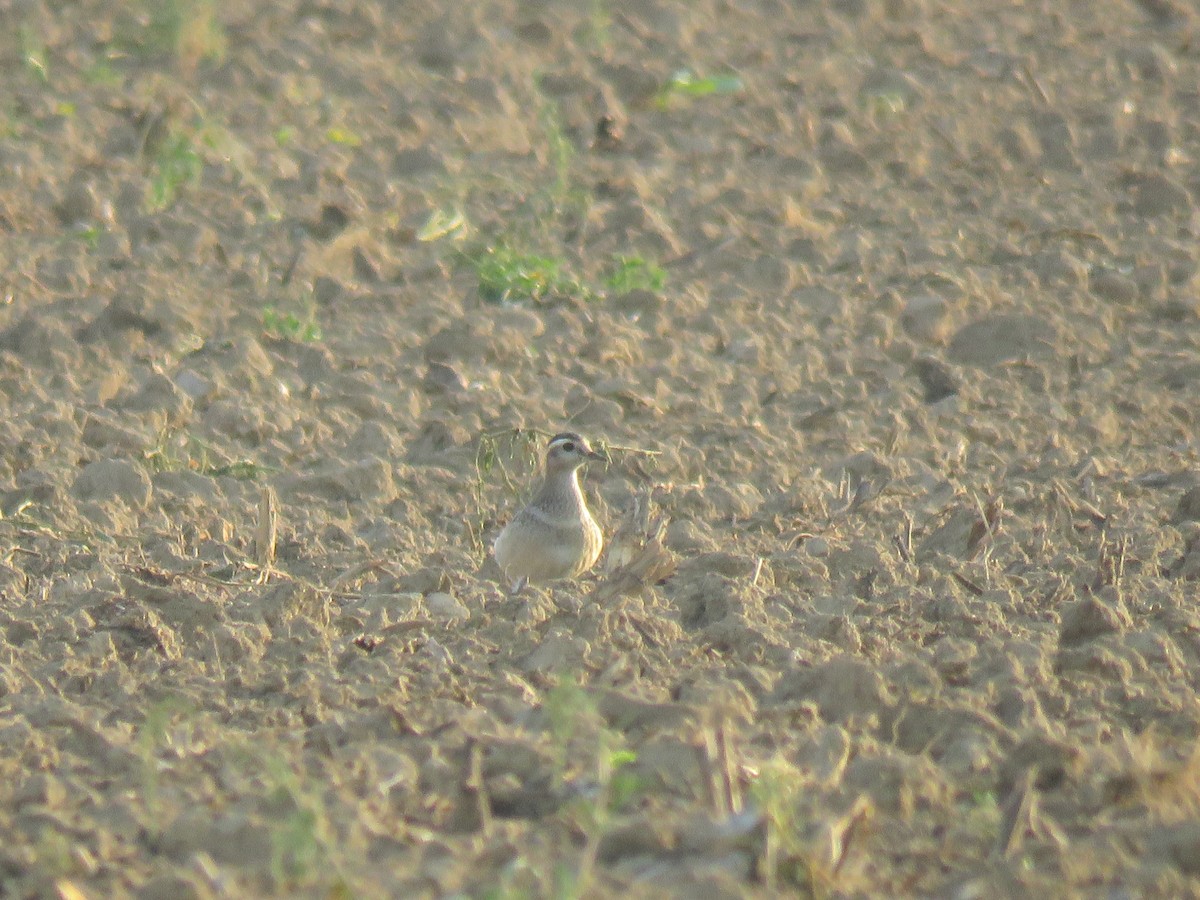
[886, 310]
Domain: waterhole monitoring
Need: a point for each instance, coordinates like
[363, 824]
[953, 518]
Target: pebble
[444, 606]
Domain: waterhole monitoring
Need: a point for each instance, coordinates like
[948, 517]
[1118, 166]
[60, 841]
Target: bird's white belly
[533, 548]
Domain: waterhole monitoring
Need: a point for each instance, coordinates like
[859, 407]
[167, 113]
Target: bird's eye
[569, 447]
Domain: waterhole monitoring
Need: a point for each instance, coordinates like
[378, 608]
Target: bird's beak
[598, 455]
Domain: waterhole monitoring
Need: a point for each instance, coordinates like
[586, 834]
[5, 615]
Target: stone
[445, 607]
[1002, 337]
[113, 479]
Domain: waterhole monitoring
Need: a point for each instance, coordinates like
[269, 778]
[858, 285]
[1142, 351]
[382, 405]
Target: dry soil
[900, 395]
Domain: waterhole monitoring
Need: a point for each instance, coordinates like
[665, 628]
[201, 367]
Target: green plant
[983, 816]
[776, 793]
[343, 136]
[495, 452]
[290, 327]
[102, 74]
[33, 52]
[562, 151]
[598, 29]
[154, 734]
[443, 223]
[176, 451]
[177, 165]
[298, 842]
[505, 273]
[594, 760]
[187, 29]
[559, 201]
[90, 235]
[303, 839]
[884, 104]
[632, 273]
[686, 84]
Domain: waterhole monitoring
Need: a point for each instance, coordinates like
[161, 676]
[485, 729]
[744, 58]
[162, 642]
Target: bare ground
[919, 388]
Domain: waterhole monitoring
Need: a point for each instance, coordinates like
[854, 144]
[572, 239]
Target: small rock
[1057, 140]
[367, 479]
[194, 385]
[1091, 618]
[113, 479]
[731, 565]
[160, 394]
[826, 755]
[327, 291]
[634, 84]
[443, 606]
[998, 338]
[443, 378]
[436, 653]
[925, 318]
[1157, 195]
[78, 204]
[332, 222]
[365, 269]
[685, 536]
[1113, 286]
[1188, 509]
[237, 420]
[937, 378]
[229, 839]
[124, 314]
[559, 651]
[816, 546]
[105, 431]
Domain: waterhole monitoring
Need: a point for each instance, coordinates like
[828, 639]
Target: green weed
[688, 85]
[984, 815]
[776, 793]
[505, 274]
[299, 842]
[343, 136]
[598, 29]
[496, 452]
[594, 758]
[561, 152]
[443, 223]
[288, 326]
[33, 52]
[152, 736]
[102, 74]
[177, 164]
[303, 839]
[90, 235]
[218, 145]
[187, 29]
[632, 273]
[176, 451]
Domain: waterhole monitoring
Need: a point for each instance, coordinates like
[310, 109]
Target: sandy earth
[913, 413]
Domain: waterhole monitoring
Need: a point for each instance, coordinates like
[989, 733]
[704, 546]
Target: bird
[554, 536]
